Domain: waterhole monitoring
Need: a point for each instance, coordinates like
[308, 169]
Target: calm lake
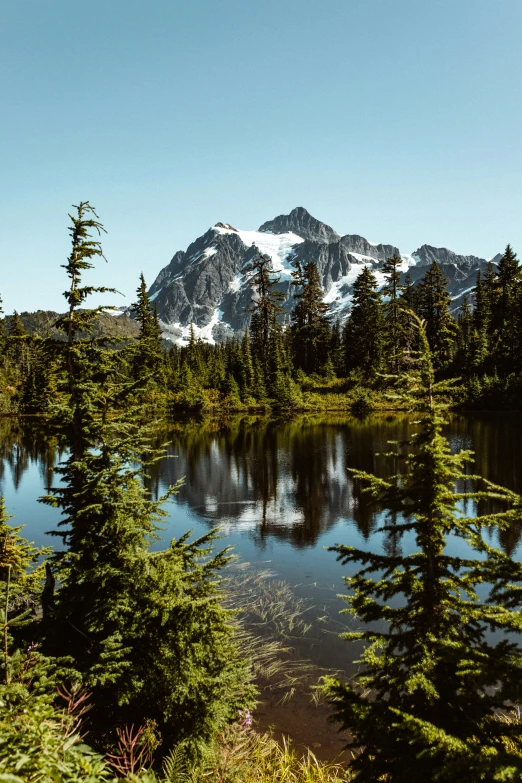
[281, 494]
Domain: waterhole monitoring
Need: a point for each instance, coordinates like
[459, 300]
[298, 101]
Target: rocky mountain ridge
[207, 284]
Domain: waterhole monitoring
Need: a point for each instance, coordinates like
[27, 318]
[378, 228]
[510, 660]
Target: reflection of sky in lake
[280, 492]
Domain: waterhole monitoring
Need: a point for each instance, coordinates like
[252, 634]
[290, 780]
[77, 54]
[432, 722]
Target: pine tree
[16, 328]
[266, 306]
[485, 295]
[39, 385]
[408, 301]
[336, 349]
[364, 331]
[22, 573]
[247, 368]
[479, 316]
[424, 704]
[310, 326]
[87, 361]
[506, 311]
[466, 338]
[279, 385]
[508, 275]
[146, 354]
[17, 343]
[394, 315]
[2, 334]
[145, 631]
[433, 307]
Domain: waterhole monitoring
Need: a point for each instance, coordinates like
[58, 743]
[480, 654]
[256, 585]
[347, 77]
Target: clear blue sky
[398, 120]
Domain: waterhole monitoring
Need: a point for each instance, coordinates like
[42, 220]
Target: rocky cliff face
[301, 222]
[207, 284]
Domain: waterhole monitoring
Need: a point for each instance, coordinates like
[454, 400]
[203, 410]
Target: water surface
[280, 492]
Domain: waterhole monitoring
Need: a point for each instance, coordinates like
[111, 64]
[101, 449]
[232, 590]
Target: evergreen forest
[304, 359]
[123, 660]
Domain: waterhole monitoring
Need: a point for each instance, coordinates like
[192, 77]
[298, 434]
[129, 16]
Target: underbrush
[42, 744]
[243, 756]
[41, 722]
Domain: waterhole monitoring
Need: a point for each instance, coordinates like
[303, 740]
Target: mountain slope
[42, 324]
[207, 284]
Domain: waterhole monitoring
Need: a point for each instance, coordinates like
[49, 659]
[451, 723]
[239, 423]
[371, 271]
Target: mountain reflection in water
[286, 480]
[289, 479]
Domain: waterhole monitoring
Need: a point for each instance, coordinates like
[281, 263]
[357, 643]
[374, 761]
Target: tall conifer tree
[433, 306]
[509, 281]
[424, 704]
[147, 358]
[145, 630]
[364, 331]
[266, 307]
[2, 333]
[393, 313]
[310, 325]
[17, 343]
[247, 367]
[86, 359]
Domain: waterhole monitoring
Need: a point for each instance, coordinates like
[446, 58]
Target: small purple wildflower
[245, 718]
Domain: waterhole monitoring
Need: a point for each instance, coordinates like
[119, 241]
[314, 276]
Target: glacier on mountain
[207, 285]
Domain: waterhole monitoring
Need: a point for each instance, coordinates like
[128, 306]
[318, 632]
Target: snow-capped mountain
[206, 284]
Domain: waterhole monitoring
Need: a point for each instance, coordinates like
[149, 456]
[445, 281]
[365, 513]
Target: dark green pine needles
[145, 631]
[146, 354]
[364, 331]
[310, 327]
[429, 700]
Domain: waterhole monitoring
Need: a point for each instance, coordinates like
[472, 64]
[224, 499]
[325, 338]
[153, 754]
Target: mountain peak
[299, 221]
[225, 225]
[207, 285]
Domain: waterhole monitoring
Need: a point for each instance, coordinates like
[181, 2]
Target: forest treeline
[136, 651]
[303, 358]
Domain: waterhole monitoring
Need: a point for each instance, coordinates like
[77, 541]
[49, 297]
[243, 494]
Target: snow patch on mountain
[367, 260]
[277, 246]
[335, 295]
[208, 283]
[408, 260]
[463, 293]
[208, 252]
[235, 284]
[180, 334]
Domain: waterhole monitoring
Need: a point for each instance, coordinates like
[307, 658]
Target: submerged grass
[270, 620]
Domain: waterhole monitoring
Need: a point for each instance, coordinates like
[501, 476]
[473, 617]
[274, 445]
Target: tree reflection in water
[288, 479]
[285, 479]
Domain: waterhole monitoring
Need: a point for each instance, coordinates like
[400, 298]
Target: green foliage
[310, 327]
[362, 403]
[397, 321]
[240, 755]
[83, 250]
[36, 744]
[424, 704]
[364, 331]
[432, 305]
[266, 308]
[21, 582]
[41, 733]
[145, 631]
[146, 358]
